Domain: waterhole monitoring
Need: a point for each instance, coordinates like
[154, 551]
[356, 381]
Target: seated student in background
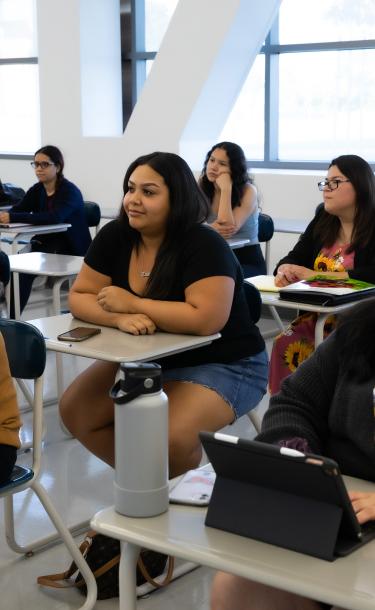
[158, 266]
[340, 239]
[325, 407]
[10, 422]
[233, 202]
[52, 200]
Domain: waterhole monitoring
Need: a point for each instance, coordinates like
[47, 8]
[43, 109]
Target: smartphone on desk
[195, 487]
[79, 334]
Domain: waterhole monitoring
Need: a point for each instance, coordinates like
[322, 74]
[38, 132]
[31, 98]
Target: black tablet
[281, 496]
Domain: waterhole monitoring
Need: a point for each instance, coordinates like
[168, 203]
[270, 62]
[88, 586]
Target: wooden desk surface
[114, 345]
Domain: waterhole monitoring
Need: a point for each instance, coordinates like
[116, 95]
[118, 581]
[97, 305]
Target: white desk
[30, 230]
[114, 345]
[289, 225]
[273, 300]
[238, 242]
[347, 582]
[60, 267]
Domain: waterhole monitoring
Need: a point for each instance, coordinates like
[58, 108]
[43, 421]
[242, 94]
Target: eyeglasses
[42, 164]
[332, 184]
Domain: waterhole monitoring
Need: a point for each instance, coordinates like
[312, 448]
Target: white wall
[172, 111]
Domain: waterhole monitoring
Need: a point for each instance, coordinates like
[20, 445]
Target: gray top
[331, 411]
[249, 229]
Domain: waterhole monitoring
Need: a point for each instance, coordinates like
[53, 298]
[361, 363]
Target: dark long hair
[188, 206]
[56, 157]
[238, 172]
[360, 174]
[355, 340]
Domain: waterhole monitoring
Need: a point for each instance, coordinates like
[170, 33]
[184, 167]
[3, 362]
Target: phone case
[195, 488]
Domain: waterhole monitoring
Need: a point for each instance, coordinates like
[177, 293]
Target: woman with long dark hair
[52, 200]
[158, 266]
[233, 202]
[340, 240]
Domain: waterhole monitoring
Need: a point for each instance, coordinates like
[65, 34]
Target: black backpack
[9, 193]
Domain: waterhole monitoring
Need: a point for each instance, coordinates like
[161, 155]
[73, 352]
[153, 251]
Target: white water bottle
[141, 441]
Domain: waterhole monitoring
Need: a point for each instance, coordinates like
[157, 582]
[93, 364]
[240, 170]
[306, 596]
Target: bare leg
[229, 592]
[192, 408]
[88, 413]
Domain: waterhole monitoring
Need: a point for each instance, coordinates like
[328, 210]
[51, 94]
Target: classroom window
[19, 78]
[309, 95]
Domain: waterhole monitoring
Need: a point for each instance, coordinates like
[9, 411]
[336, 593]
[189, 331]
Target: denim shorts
[241, 384]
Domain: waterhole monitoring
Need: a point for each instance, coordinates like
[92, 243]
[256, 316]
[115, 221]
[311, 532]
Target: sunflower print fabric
[297, 342]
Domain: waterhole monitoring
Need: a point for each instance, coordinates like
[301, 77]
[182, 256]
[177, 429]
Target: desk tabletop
[289, 225]
[181, 532]
[42, 263]
[114, 345]
[238, 242]
[36, 229]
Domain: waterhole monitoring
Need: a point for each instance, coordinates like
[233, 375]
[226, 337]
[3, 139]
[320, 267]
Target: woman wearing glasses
[52, 200]
[339, 239]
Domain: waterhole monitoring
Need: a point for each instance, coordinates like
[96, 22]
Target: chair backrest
[26, 348]
[265, 227]
[4, 268]
[254, 301]
[10, 193]
[92, 212]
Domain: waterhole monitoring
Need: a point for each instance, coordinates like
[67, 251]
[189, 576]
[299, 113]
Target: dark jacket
[309, 245]
[329, 409]
[66, 207]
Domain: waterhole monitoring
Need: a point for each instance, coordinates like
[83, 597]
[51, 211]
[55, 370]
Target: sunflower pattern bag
[297, 342]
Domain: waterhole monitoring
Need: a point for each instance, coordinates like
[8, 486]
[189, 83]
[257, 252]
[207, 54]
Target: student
[325, 407]
[52, 200]
[340, 239]
[10, 422]
[159, 267]
[233, 202]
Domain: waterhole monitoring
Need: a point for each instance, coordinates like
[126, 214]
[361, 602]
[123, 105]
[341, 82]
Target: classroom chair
[29, 363]
[93, 214]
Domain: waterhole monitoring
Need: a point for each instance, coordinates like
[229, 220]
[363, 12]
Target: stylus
[228, 438]
[291, 452]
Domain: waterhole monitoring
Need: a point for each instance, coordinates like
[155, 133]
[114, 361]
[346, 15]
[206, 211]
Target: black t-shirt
[203, 253]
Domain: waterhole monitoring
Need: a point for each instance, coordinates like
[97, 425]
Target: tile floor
[79, 485]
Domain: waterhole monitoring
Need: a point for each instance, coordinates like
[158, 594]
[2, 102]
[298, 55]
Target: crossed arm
[205, 310]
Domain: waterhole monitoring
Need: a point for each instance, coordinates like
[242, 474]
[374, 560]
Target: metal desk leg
[319, 328]
[16, 295]
[268, 255]
[127, 576]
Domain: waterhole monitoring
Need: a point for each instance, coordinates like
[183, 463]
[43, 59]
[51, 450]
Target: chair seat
[19, 476]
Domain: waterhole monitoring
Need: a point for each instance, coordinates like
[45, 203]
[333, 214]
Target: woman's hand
[364, 505]
[224, 181]
[116, 300]
[4, 217]
[136, 324]
[288, 274]
[225, 229]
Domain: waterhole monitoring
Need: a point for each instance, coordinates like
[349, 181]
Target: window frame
[6, 61]
[272, 50]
